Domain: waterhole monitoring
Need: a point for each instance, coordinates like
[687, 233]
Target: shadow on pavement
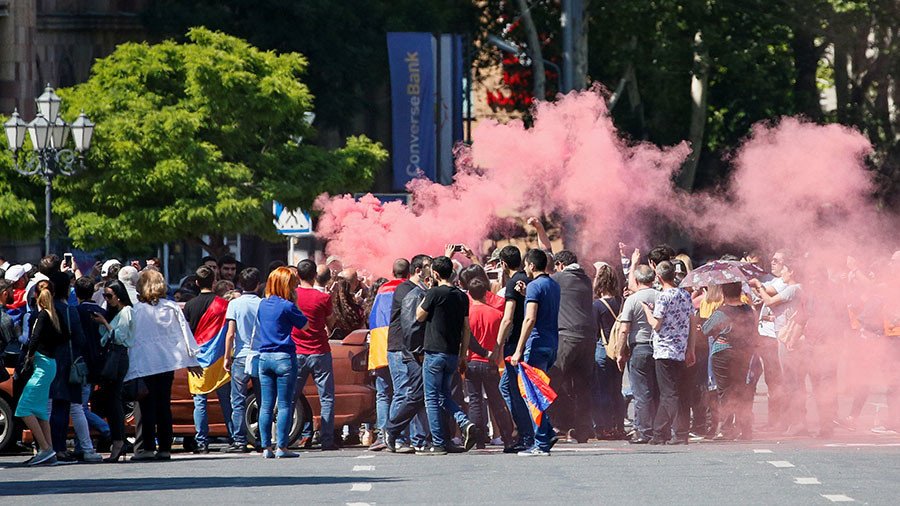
[93, 486]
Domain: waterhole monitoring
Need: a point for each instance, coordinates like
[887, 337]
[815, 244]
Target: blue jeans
[401, 377]
[642, 373]
[543, 359]
[609, 404]
[277, 373]
[94, 421]
[240, 381]
[509, 389]
[438, 370]
[384, 390]
[201, 418]
[320, 366]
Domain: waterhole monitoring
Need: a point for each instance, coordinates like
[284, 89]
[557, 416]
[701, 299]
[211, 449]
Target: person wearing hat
[18, 276]
[109, 271]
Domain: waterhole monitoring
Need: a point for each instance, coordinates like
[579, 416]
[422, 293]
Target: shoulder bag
[611, 342]
[79, 370]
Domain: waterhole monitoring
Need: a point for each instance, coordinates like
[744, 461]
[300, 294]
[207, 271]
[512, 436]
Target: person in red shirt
[314, 353]
[482, 375]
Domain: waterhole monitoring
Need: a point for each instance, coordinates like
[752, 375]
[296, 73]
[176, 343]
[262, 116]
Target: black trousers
[113, 393]
[153, 414]
[571, 377]
[735, 396]
[673, 411]
[483, 378]
[59, 424]
[767, 350]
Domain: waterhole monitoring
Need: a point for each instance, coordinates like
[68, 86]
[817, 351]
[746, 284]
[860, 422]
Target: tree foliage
[197, 139]
[18, 194]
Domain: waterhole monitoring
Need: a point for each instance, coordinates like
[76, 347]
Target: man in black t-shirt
[513, 316]
[446, 311]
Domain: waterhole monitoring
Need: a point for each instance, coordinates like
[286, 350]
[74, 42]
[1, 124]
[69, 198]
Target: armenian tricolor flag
[534, 384]
[210, 336]
[379, 320]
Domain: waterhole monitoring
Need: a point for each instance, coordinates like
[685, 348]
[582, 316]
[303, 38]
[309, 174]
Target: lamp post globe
[48, 104]
[82, 131]
[15, 131]
[39, 129]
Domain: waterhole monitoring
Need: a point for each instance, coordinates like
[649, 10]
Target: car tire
[251, 421]
[7, 424]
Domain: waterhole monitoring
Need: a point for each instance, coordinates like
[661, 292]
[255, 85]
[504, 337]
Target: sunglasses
[107, 296]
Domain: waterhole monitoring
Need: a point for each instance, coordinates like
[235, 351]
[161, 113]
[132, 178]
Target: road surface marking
[371, 468]
[780, 463]
[763, 450]
[361, 487]
[365, 456]
[807, 481]
[838, 498]
[358, 504]
[860, 445]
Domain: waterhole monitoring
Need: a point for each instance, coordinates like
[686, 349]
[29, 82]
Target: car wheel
[251, 421]
[7, 423]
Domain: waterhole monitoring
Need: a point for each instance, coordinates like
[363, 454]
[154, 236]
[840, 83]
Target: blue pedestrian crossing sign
[291, 221]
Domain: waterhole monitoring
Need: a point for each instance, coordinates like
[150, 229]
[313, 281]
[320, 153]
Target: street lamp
[48, 156]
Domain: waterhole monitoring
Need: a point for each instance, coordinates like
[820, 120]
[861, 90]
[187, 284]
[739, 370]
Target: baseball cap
[16, 272]
[104, 271]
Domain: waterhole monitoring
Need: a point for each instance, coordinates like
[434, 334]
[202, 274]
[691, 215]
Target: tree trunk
[806, 61]
[699, 93]
[215, 245]
[580, 79]
[534, 51]
[841, 79]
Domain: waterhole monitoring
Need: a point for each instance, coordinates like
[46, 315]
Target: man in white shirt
[767, 351]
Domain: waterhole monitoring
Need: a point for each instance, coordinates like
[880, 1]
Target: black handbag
[115, 365]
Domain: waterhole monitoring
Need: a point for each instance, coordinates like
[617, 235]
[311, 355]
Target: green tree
[18, 212]
[197, 139]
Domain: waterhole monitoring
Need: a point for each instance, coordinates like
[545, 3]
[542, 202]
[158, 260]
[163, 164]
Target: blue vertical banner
[411, 58]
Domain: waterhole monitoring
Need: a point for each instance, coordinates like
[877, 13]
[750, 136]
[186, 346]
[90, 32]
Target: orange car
[7, 410]
[354, 398]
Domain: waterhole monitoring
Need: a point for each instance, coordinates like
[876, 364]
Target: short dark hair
[732, 290]
[470, 273]
[536, 257]
[274, 264]
[666, 271]
[478, 288]
[418, 262]
[249, 279]
[208, 258]
[306, 270]
[443, 266]
[566, 257]
[84, 288]
[227, 259]
[49, 264]
[401, 268]
[61, 283]
[205, 277]
[323, 275]
[644, 275]
[660, 253]
[511, 256]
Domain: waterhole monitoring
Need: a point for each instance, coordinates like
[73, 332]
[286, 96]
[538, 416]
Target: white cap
[104, 271]
[16, 272]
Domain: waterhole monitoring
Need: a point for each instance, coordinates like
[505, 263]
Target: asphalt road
[853, 467]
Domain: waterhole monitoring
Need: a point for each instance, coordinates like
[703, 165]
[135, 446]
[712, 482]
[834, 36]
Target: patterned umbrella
[721, 272]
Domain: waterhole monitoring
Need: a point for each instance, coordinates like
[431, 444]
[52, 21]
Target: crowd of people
[447, 337]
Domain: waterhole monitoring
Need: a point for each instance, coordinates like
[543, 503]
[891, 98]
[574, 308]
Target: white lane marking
[601, 449]
[807, 481]
[762, 450]
[365, 456]
[780, 463]
[358, 504]
[860, 445]
[361, 487]
[363, 468]
[838, 498]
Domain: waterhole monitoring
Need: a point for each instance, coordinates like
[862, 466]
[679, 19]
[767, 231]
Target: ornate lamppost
[49, 157]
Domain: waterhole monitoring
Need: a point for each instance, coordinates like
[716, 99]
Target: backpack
[615, 347]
